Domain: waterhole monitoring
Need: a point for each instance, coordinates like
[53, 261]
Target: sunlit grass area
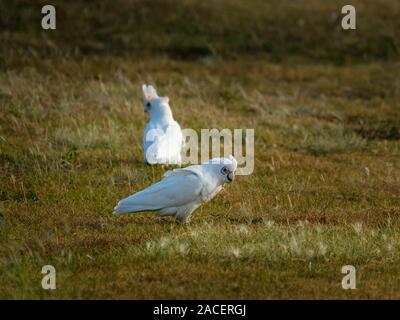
[324, 192]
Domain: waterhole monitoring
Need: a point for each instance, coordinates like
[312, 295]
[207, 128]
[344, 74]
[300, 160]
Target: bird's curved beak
[230, 176]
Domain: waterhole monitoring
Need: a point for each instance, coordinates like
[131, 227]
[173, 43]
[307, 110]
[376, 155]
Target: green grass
[324, 192]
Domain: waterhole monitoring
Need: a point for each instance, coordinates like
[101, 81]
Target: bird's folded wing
[173, 191]
[165, 146]
[172, 137]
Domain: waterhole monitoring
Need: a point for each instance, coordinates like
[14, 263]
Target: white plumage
[163, 139]
[181, 191]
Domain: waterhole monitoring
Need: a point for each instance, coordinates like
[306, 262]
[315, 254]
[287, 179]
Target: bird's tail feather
[126, 207]
[134, 203]
[120, 208]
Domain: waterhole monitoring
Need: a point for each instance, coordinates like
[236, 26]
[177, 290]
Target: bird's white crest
[230, 162]
[181, 191]
[149, 92]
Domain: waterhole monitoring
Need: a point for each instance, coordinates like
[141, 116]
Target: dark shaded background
[278, 30]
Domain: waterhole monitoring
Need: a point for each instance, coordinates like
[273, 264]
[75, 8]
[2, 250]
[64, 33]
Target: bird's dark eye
[224, 170]
[148, 104]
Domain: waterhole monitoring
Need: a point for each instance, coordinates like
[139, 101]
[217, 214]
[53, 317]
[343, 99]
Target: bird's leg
[183, 214]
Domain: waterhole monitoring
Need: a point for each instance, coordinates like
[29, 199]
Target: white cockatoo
[182, 191]
[163, 139]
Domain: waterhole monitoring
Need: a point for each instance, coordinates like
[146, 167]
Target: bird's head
[153, 104]
[225, 168]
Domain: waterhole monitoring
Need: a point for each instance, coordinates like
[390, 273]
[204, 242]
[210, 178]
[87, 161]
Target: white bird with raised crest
[163, 139]
[182, 191]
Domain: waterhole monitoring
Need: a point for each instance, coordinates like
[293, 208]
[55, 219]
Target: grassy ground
[325, 108]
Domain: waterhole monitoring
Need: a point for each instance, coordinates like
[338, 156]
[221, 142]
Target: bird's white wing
[173, 139]
[174, 190]
[147, 143]
[166, 146]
